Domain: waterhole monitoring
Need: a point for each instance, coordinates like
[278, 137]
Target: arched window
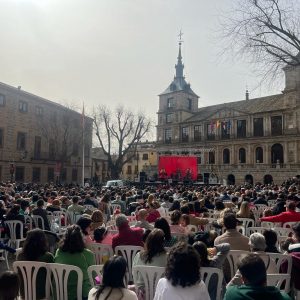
[242, 155]
[226, 156]
[259, 155]
[277, 154]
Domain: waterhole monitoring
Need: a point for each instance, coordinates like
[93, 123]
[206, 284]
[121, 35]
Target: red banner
[182, 167]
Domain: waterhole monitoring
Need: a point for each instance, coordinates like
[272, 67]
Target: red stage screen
[178, 165]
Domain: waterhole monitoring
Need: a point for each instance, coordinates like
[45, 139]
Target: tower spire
[179, 66]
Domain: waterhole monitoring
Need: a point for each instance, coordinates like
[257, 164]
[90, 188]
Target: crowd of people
[181, 228]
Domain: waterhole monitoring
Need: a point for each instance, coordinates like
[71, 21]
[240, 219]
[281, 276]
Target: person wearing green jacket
[254, 275]
[72, 251]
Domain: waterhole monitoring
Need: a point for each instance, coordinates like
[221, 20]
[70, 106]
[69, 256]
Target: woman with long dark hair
[112, 286]
[153, 255]
[35, 248]
[163, 224]
[182, 277]
[72, 251]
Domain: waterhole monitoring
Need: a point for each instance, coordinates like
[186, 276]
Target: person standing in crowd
[142, 222]
[75, 207]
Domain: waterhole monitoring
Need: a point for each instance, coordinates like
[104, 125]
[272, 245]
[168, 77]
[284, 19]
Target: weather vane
[180, 36]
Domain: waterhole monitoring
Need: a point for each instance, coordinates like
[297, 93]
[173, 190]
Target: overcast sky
[118, 51]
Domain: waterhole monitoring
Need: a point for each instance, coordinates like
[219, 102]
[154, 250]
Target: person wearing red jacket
[288, 216]
[127, 235]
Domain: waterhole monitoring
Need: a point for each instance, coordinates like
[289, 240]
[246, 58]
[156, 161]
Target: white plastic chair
[278, 279]
[283, 231]
[102, 252]
[251, 230]
[288, 224]
[28, 270]
[89, 207]
[261, 206]
[58, 216]
[280, 259]
[38, 222]
[270, 224]
[272, 202]
[28, 221]
[12, 227]
[128, 252]
[192, 228]
[3, 257]
[247, 222]
[114, 207]
[60, 274]
[72, 217]
[151, 276]
[233, 258]
[93, 271]
[206, 276]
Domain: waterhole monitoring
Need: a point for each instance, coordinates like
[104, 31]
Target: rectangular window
[168, 135]
[39, 110]
[74, 175]
[37, 147]
[23, 106]
[21, 141]
[145, 156]
[276, 125]
[170, 103]
[211, 131]
[197, 133]
[20, 174]
[2, 100]
[129, 170]
[184, 134]
[36, 174]
[136, 169]
[169, 118]
[50, 174]
[241, 128]
[225, 129]
[51, 149]
[258, 127]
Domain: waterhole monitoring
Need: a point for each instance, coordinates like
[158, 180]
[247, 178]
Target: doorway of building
[268, 179]
[231, 179]
[249, 179]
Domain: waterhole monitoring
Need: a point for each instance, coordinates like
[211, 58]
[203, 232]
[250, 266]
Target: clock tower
[176, 104]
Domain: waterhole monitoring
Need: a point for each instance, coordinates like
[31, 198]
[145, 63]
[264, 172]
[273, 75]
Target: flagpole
[83, 145]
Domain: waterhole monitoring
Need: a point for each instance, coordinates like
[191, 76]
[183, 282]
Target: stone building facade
[253, 140]
[144, 160]
[40, 140]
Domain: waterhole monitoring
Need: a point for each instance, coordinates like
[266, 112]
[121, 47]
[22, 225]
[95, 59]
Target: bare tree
[63, 133]
[265, 32]
[118, 133]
